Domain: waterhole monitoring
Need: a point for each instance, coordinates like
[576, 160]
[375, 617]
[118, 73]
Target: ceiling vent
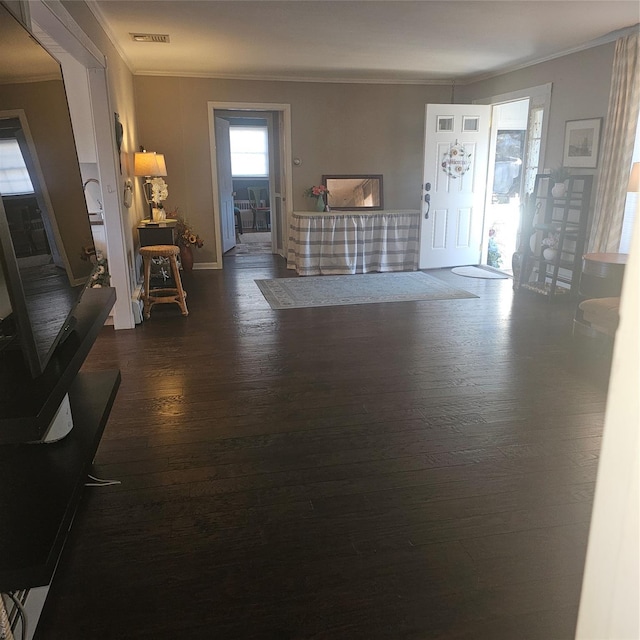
[150, 37]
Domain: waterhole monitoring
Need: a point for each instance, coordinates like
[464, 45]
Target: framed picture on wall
[582, 143]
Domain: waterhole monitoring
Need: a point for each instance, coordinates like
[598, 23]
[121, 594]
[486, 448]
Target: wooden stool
[164, 294]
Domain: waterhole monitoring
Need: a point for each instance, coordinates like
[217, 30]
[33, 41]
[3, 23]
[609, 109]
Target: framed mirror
[45, 235]
[354, 192]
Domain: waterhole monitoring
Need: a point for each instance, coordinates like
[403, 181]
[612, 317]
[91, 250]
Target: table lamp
[634, 179]
[149, 164]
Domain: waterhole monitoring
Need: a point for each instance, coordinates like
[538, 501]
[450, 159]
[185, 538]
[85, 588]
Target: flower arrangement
[494, 257]
[316, 191]
[456, 162]
[551, 241]
[159, 191]
[186, 236]
[100, 276]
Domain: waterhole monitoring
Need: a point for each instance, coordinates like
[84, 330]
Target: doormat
[478, 272]
[328, 291]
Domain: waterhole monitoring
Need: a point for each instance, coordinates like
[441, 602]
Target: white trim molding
[287, 162]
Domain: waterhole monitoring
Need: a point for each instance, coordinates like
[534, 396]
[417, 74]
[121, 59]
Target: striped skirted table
[353, 242]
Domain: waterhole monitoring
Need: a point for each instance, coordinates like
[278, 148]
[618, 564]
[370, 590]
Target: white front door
[455, 181]
[225, 185]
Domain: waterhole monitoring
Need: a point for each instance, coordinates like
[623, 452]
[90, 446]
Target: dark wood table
[602, 274]
[41, 486]
[601, 277]
[152, 233]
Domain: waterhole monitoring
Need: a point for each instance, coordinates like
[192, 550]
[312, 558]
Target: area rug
[252, 249]
[328, 291]
[478, 272]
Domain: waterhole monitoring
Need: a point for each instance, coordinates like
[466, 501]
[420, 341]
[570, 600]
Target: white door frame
[285, 146]
[56, 22]
[274, 195]
[539, 95]
[493, 137]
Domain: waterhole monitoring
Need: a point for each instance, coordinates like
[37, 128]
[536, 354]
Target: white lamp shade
[634, 179]
[149, 163]
[162, 167]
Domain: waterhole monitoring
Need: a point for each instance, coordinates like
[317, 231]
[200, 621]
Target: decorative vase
[532, 243]
[186, 258]
[516, 265]
[158, 214]
[558, 190]
[522, 266]
[549, 254]
[320, 203]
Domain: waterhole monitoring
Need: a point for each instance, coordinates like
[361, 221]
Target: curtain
[353, 243]
[619, 136]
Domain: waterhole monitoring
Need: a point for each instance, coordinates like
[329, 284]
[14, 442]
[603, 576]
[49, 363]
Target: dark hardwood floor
[405, 470]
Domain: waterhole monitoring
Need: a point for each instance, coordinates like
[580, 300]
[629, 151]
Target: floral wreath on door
[456, 162]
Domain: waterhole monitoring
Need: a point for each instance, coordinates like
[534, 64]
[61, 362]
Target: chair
[246, 213]
[161, 295]
[238, 217]
[256, 200]
[600, 316]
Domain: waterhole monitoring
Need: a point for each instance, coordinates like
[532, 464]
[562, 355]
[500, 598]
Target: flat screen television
[46, 245]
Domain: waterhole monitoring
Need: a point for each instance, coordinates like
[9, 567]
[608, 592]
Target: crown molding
[605, 39]
[277, 78]
[92, 5]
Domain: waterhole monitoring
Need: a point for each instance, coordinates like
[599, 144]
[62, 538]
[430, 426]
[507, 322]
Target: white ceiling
[422, 41]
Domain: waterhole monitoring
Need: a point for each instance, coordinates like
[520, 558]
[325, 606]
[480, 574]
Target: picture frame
[354, 192]
[581, 143]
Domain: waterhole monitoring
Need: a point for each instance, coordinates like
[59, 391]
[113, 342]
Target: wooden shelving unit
[566, 219]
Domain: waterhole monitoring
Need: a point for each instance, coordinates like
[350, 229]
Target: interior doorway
[261, 196]
[82, 62]
[252, 162]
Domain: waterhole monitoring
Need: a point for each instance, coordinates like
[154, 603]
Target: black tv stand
[41, 485]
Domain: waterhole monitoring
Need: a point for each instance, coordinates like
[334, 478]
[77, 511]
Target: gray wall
[345, 128]
[336, 128]
[581, 83]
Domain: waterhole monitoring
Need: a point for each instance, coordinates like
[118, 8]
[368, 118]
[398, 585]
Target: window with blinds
[14, 177]
[249, 151]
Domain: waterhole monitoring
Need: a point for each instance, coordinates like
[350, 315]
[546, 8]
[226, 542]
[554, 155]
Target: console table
[602, 274]
[151, 233]
[353, 242]
[599, 291]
